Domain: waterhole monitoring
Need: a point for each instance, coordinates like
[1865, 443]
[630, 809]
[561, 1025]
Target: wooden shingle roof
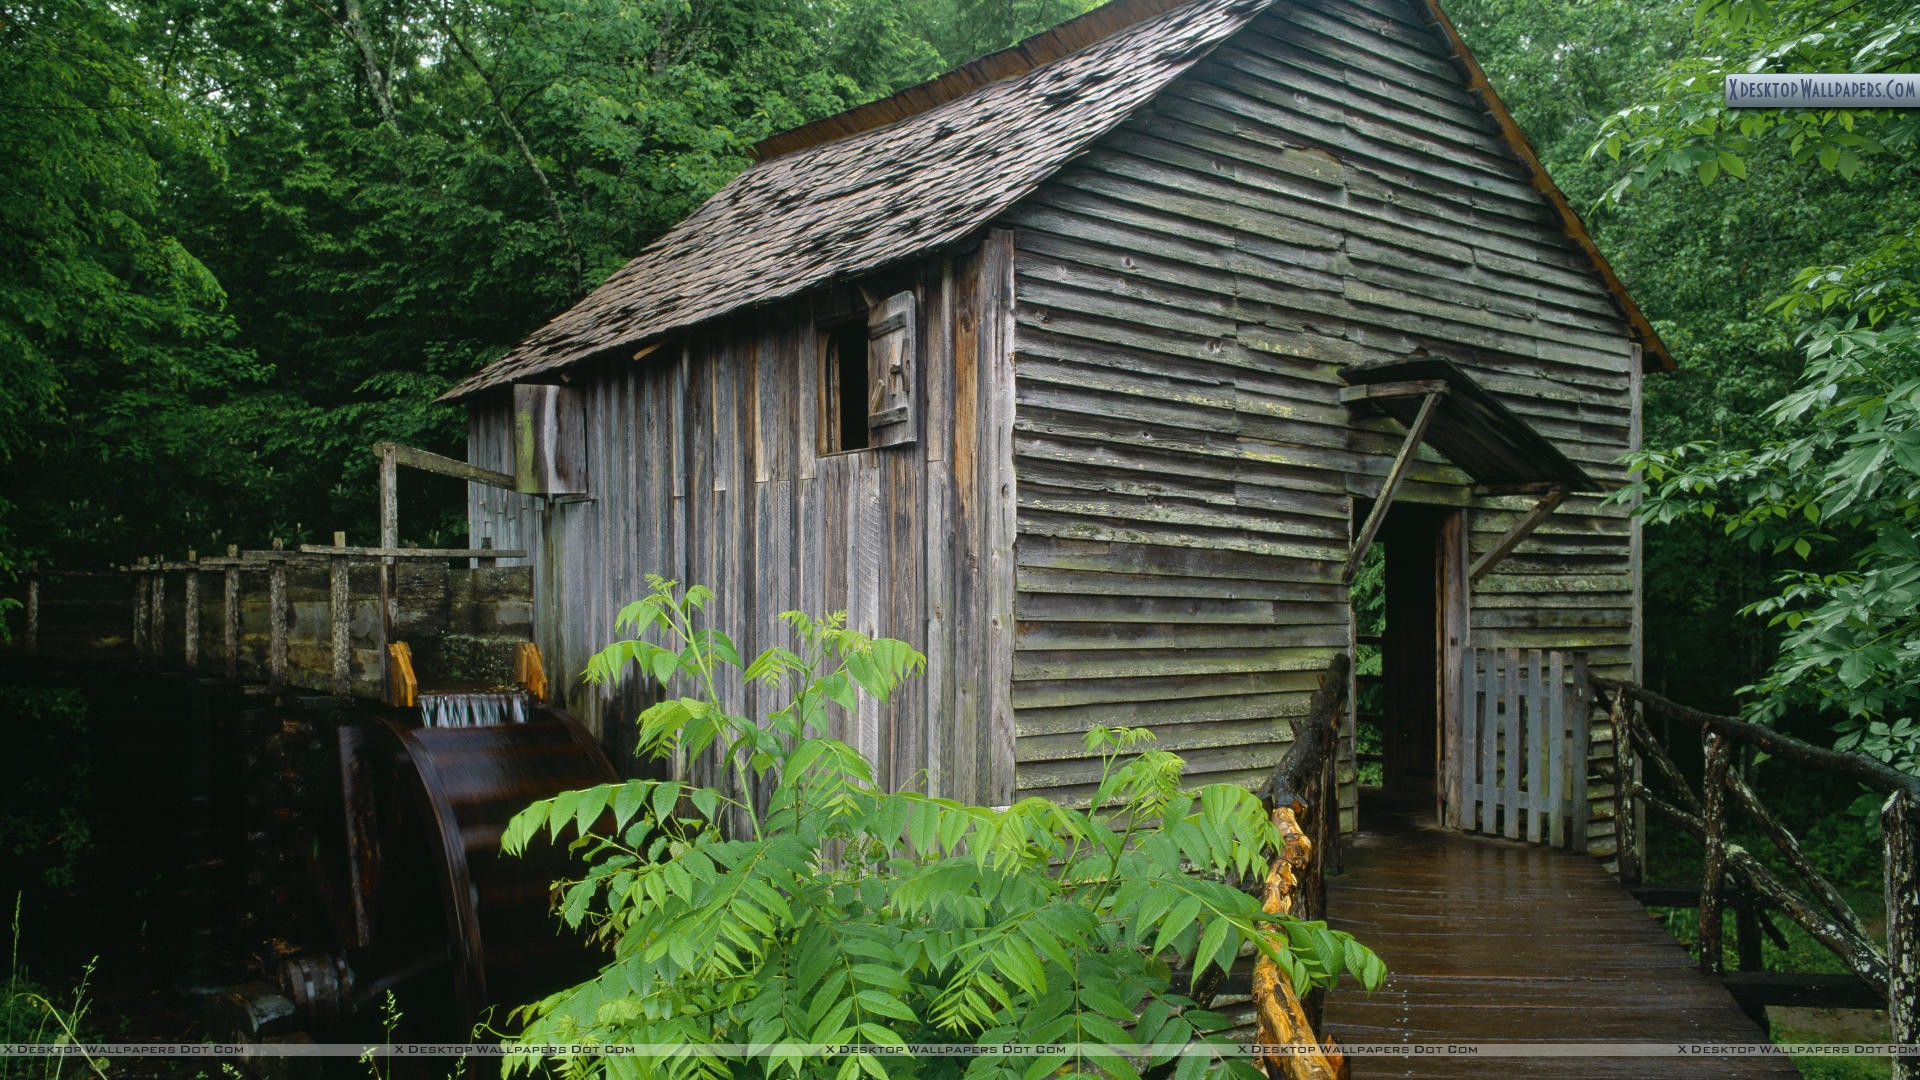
[877, 196]
[901, 177]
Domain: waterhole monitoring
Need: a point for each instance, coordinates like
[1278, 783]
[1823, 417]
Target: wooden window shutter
[892, 360]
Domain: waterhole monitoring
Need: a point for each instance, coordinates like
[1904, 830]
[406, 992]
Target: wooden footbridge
[1512, 938]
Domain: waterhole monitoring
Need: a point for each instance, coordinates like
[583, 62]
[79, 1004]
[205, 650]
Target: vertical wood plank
[938, 559]
[970, 640]
[1489, 741]
[1537, 740]
[1560, 786]
[1513, 758]
[1466, 766]
[907, 581]
[998, 508]
[866, 558]
[1580, 703]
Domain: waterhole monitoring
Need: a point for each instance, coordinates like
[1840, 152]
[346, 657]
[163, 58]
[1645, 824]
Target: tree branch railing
[1302, 794]
[1729, 871]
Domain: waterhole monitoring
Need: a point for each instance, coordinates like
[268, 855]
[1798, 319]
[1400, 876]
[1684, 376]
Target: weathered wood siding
[1322, 190]
[703, 466]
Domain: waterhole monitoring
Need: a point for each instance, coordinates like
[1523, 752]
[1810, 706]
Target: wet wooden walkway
[1491, 941]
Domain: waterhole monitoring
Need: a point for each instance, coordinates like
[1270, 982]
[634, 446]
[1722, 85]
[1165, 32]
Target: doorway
[1409, 615]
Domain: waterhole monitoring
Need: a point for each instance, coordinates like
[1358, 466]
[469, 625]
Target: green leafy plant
[829, 913]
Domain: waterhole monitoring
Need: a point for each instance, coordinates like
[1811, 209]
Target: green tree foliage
[1834, 478]
[111, 331]
[240, 242]
[832, 912]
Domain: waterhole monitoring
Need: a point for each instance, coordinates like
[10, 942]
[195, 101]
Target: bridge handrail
[1822, 912]
[1302, 795]
[1876, 775]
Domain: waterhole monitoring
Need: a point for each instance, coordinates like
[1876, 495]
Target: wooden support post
[340, 623]
[389, 539]
[230, 613]
[32, 642]
[1713, 817]
[277, 620]
[1391, 486]
[190, 624]
[1521, 529]
[389, 494]
[1900, 829]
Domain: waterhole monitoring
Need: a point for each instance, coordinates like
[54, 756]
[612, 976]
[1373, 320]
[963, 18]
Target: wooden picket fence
[1520, 752]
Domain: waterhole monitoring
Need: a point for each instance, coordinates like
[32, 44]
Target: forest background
[242, 241]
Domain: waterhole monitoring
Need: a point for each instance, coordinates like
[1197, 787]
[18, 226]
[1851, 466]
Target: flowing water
[472, 710]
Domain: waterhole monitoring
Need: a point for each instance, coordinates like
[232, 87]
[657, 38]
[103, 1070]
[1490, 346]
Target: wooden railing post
[1713, 791]
[1900, 828]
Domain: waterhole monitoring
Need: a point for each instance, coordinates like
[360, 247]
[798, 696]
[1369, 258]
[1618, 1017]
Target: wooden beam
[1515, 536]
[427, 461]
[1395, 476]
[1365, 392]
[413, 553]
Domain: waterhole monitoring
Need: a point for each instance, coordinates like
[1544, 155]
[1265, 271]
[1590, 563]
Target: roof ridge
[1017, 59]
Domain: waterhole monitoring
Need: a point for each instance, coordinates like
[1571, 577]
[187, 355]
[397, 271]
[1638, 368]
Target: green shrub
[837, 913]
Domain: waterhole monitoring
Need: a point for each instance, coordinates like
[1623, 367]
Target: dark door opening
[1400, 600]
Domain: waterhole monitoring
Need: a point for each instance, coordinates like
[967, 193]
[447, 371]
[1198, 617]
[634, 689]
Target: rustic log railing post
[1713, 790]
[230, 612]
[190, 628]
[1625, 787]
[1900, 829]
[277, 618]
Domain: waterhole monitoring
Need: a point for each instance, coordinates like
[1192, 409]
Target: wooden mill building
[1085, 368]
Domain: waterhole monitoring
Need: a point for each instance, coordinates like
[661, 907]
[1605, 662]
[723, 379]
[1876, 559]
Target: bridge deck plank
[1491, 941]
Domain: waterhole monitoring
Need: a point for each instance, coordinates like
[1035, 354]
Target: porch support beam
[1391, 487]
[1515, 536]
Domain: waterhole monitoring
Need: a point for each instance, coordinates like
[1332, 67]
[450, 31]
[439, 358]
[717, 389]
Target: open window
[868, 378]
